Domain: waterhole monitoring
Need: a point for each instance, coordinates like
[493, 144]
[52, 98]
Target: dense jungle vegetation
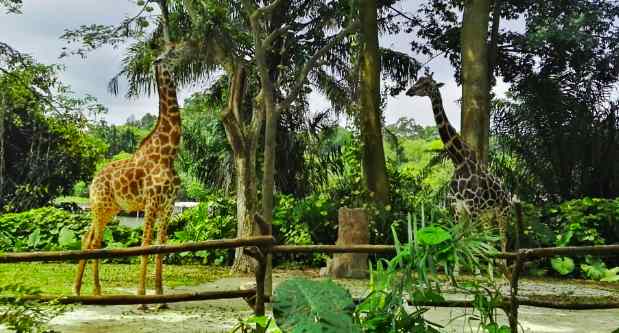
[552, 138]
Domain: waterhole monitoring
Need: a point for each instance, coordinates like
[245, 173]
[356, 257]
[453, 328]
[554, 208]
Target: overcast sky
[38, 29]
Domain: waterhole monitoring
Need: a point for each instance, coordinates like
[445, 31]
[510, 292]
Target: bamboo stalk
[135, 299]
[133, 251]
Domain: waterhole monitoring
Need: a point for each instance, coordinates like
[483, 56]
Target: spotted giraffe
[473, 190]
[145, 182]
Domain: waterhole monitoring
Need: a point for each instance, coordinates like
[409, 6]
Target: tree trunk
[243, 138]
[3, 105]
[475, 86]
[374, 167]
[246, 202]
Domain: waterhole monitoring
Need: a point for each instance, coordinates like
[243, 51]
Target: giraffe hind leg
[86, 244]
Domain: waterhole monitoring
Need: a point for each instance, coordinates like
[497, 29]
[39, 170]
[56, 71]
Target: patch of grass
[57, 278]
[77, 200]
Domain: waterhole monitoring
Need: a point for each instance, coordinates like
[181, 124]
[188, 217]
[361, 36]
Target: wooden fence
[259, 247]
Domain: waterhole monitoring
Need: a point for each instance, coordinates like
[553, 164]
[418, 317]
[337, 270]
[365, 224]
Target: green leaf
[563, 265]
[66, 237]
[34, 238]
[108, 236]
[302, 305]
[432, 235]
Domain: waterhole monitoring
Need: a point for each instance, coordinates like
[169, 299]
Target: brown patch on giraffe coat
[133, 186]
[164, 138]
[175, 136]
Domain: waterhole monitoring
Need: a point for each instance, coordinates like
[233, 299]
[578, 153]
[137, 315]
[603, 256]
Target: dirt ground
[222, 315]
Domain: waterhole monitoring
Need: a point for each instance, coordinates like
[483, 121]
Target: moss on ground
[57, 278]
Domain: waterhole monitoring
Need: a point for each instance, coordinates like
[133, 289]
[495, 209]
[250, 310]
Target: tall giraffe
[145, 182]
[473, 190]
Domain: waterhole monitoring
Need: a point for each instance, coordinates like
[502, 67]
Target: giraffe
[473, 190]
[145, 182]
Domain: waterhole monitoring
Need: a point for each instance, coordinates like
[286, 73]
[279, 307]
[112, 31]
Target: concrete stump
[353, 229]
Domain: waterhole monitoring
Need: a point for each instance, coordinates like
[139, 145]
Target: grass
[57, 278]
[77, 200]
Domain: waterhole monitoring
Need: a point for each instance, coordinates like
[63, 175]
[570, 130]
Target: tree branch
[298, 85]
[231, 116]
[268, 41]
[268, 9]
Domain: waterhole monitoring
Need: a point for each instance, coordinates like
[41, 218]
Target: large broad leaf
[302, 305]
[611, 275]
[432, 235]
[563, 265]
[67, 239]
[34, 238]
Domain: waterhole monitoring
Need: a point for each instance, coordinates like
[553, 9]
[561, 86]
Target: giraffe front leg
[149, 220]
[162, 237]
[97, 240]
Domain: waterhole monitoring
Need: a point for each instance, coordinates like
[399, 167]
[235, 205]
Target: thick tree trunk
[246, 202]
[2, 151]
[243, 138]
[475, 84]
[374, 167]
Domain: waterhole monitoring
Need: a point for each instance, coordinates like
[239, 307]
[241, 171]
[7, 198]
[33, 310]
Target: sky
[37, 32]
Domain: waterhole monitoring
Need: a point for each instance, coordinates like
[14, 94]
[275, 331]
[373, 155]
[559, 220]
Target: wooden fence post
[517, 268]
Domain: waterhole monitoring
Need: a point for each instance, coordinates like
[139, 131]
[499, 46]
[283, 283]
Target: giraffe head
[424, 86]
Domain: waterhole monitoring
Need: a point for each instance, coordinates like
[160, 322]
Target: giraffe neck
[457, 149]
[165, 137]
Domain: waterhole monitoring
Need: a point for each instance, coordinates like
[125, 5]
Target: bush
[212, 219]
[579, 222]
[44, 229]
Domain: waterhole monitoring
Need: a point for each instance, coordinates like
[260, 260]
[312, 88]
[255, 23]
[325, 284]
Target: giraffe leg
[97, 241]
[503, 263]
[162, 237]
[149, 220]
[86, 244]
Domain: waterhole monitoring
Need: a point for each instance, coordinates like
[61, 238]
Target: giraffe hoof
[162, 306]
[143, 307]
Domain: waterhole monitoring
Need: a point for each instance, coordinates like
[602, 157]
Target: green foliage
[251, 324]
[41, 229]
[563, 265]
[587, 221]
[579, 222]
[80, 189]
[412, 275]
[49, 149]
[301, 305]
[214, 218]
[53, 229]
[205, 155]
[26, 316]
[595, 269]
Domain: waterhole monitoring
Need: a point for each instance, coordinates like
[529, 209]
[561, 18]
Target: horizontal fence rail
[267, 242]
[134, 251]
[138, 299]
[388, 249]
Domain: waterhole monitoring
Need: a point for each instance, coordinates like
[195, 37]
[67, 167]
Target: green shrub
[80, 189]
[26, 316]
[44, 229]
[578, 222]
[212, 219]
